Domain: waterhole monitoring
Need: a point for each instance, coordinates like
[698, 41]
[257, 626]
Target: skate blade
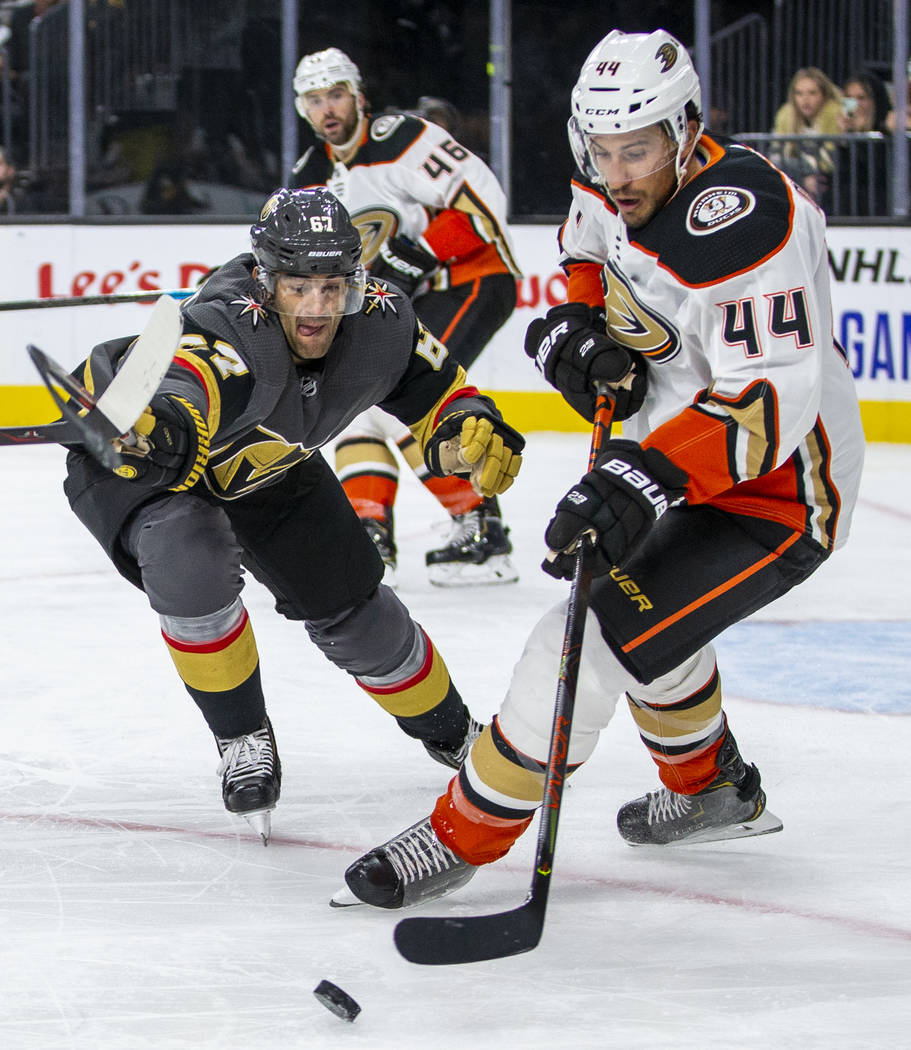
[344, 898]
[496, 570]
[261, 822]
[765, 824]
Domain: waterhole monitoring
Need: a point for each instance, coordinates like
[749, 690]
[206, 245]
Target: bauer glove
[404, 263]
[471, 438]
[571, 350]
[171, 447]
[620, 500]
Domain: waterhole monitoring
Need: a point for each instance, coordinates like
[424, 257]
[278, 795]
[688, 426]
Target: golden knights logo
[379, 296]
[667, 56]
[250, 306]
[633, 324]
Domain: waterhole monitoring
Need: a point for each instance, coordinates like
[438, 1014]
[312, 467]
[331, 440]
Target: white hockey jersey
[726, 294]
[410, 178]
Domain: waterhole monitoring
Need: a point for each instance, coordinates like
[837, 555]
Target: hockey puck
[334, 999]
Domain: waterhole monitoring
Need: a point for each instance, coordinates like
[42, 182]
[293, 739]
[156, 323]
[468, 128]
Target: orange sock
[475, 836]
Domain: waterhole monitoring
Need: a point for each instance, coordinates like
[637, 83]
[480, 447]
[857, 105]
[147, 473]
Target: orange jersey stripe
[463, 309]
[712, 594]
[585, 284]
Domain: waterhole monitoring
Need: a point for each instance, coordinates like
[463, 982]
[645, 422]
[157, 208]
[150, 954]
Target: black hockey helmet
[307, 232]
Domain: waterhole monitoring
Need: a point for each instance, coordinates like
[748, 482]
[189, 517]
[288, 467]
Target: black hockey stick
[476, 938]
[55, 302]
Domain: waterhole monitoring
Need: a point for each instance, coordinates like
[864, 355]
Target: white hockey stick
[113, 414]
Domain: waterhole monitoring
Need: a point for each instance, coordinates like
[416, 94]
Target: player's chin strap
[343, 152]
[681, 163]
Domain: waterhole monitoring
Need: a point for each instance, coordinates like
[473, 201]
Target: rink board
[870, 268]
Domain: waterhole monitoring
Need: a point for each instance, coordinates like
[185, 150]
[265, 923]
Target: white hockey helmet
[630, 81]
[324, 69]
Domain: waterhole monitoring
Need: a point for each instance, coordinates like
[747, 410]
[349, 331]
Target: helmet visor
[318, 295]
[623, 158]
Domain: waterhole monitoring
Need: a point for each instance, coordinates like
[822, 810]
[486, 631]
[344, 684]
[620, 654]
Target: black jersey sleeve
[431, 375]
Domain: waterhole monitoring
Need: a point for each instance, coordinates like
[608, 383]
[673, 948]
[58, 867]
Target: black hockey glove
[471, 438]
[172, 445]
[572, 352]
[620, 500]
[404, 263]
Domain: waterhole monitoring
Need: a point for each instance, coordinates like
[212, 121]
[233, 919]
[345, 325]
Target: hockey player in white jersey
[695, 265]
[432, 218]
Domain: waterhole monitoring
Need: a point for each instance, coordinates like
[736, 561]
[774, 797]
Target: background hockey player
[733, 482]
[281, 348]
[433, 221]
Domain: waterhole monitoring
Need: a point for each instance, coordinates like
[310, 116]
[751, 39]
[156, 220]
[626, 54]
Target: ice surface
[135, 912]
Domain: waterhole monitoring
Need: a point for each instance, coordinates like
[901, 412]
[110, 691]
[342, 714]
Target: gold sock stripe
[417, 695]
[506, 778]
[667, 723]
[217, 666]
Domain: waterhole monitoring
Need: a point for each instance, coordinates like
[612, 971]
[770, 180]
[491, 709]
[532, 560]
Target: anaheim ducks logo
[667, 56]
[374, 225]
[633, 324]
[384, 126]
[716, 207]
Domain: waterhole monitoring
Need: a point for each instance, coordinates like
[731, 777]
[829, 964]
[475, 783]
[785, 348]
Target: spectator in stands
[20, 17]
[15, 198]
[865, 104]
[890, 118]
[860, 184]
[813, 105]
[813, 108]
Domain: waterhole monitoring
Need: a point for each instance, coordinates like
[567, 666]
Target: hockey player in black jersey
[280, 349]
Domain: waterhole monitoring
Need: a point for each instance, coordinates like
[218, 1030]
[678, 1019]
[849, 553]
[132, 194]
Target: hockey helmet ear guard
[631, 81]
[307, 234]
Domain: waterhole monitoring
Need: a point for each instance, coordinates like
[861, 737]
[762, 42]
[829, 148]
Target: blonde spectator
[813, 107]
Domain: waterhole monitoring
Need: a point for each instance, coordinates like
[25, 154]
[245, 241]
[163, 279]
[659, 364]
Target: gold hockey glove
[471, 438]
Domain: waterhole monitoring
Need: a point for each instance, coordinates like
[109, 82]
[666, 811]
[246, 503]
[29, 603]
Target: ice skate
[382, 534]
[455, 756]
[251, 774]
[476, 552]
[407, 870]
[732, 806]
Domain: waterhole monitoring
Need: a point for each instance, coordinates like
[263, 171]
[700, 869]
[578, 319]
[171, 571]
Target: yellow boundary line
[527, 411]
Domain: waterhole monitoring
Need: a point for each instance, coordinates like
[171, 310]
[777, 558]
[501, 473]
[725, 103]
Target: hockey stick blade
[121, 404]
[141, 373]
[89, 430]
[474, 938]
